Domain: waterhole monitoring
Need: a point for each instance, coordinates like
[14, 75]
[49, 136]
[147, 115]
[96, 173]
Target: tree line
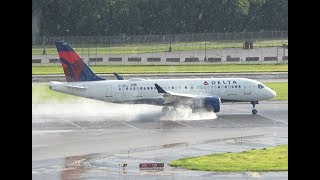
[141, 17]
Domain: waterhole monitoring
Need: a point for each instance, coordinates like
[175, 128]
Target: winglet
[160, 90]
[118, 76]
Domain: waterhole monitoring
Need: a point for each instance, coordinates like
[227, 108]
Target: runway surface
[88, 140]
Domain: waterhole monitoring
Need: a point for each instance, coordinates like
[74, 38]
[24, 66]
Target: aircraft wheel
[254, 111]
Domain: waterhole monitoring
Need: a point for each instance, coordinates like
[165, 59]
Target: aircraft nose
[272, 93]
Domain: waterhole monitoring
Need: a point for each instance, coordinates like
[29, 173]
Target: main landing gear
[254, 111]
[165, 109]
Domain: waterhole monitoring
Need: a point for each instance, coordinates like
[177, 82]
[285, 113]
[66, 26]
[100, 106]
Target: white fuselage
[144, 91]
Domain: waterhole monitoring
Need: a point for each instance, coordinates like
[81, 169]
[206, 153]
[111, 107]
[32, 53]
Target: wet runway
[85, 141]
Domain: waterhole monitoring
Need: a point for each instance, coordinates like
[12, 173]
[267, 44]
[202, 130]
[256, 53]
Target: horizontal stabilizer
[75, 87]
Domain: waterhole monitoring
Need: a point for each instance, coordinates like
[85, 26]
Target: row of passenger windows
[138, 88]
[179, 87]
[219, 86]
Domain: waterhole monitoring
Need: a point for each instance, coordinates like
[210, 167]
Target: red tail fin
[73, 66]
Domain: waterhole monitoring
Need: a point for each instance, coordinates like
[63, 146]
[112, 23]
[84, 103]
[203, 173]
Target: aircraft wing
[170, 97]
[66, 85]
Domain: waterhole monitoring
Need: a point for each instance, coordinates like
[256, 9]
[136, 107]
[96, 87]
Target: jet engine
[211, 103]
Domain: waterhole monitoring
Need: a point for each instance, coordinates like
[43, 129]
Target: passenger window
[172, 87]
[186, 87]
[140, 88]
[144, 88]
[126, 88]
[151, 88]
[134, 88]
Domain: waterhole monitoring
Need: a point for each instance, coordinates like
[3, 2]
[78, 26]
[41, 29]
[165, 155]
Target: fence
[157, 48]
[163, 39]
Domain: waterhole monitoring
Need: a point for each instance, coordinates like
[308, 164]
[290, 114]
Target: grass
[42, 94]
[270, 159]
[281, 88]
[161, 47]
[207, 68]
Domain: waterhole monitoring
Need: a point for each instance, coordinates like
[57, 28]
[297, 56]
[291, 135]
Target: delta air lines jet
[200, 93]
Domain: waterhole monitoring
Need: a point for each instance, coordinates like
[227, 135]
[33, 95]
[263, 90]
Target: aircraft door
[108, 93]
[247, 88]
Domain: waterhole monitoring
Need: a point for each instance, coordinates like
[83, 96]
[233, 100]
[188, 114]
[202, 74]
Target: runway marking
[254, 174]
[77, 163]
[129, 125]
[74, 124]
[234, 114]
[273, 119]
[183, 124]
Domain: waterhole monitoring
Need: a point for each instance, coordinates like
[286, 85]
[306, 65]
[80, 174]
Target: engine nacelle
[211, 103]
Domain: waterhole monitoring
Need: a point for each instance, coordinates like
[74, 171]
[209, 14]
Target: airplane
[197, 93]
[118, 76]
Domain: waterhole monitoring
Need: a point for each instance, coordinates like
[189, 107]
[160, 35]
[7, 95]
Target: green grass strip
[270, 159]
[281, 88]
[42, 94]
[140, 69]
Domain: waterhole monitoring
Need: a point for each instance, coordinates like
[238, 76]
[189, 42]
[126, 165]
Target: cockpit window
[260, 86]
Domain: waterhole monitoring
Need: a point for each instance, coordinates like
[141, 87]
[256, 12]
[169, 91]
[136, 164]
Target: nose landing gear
[254, 111]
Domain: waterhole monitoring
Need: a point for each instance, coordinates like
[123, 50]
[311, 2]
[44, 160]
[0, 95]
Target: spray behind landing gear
[165, 109]
[184, 113]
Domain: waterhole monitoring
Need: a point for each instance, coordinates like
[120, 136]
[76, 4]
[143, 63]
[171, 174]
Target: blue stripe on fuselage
[160, 101]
